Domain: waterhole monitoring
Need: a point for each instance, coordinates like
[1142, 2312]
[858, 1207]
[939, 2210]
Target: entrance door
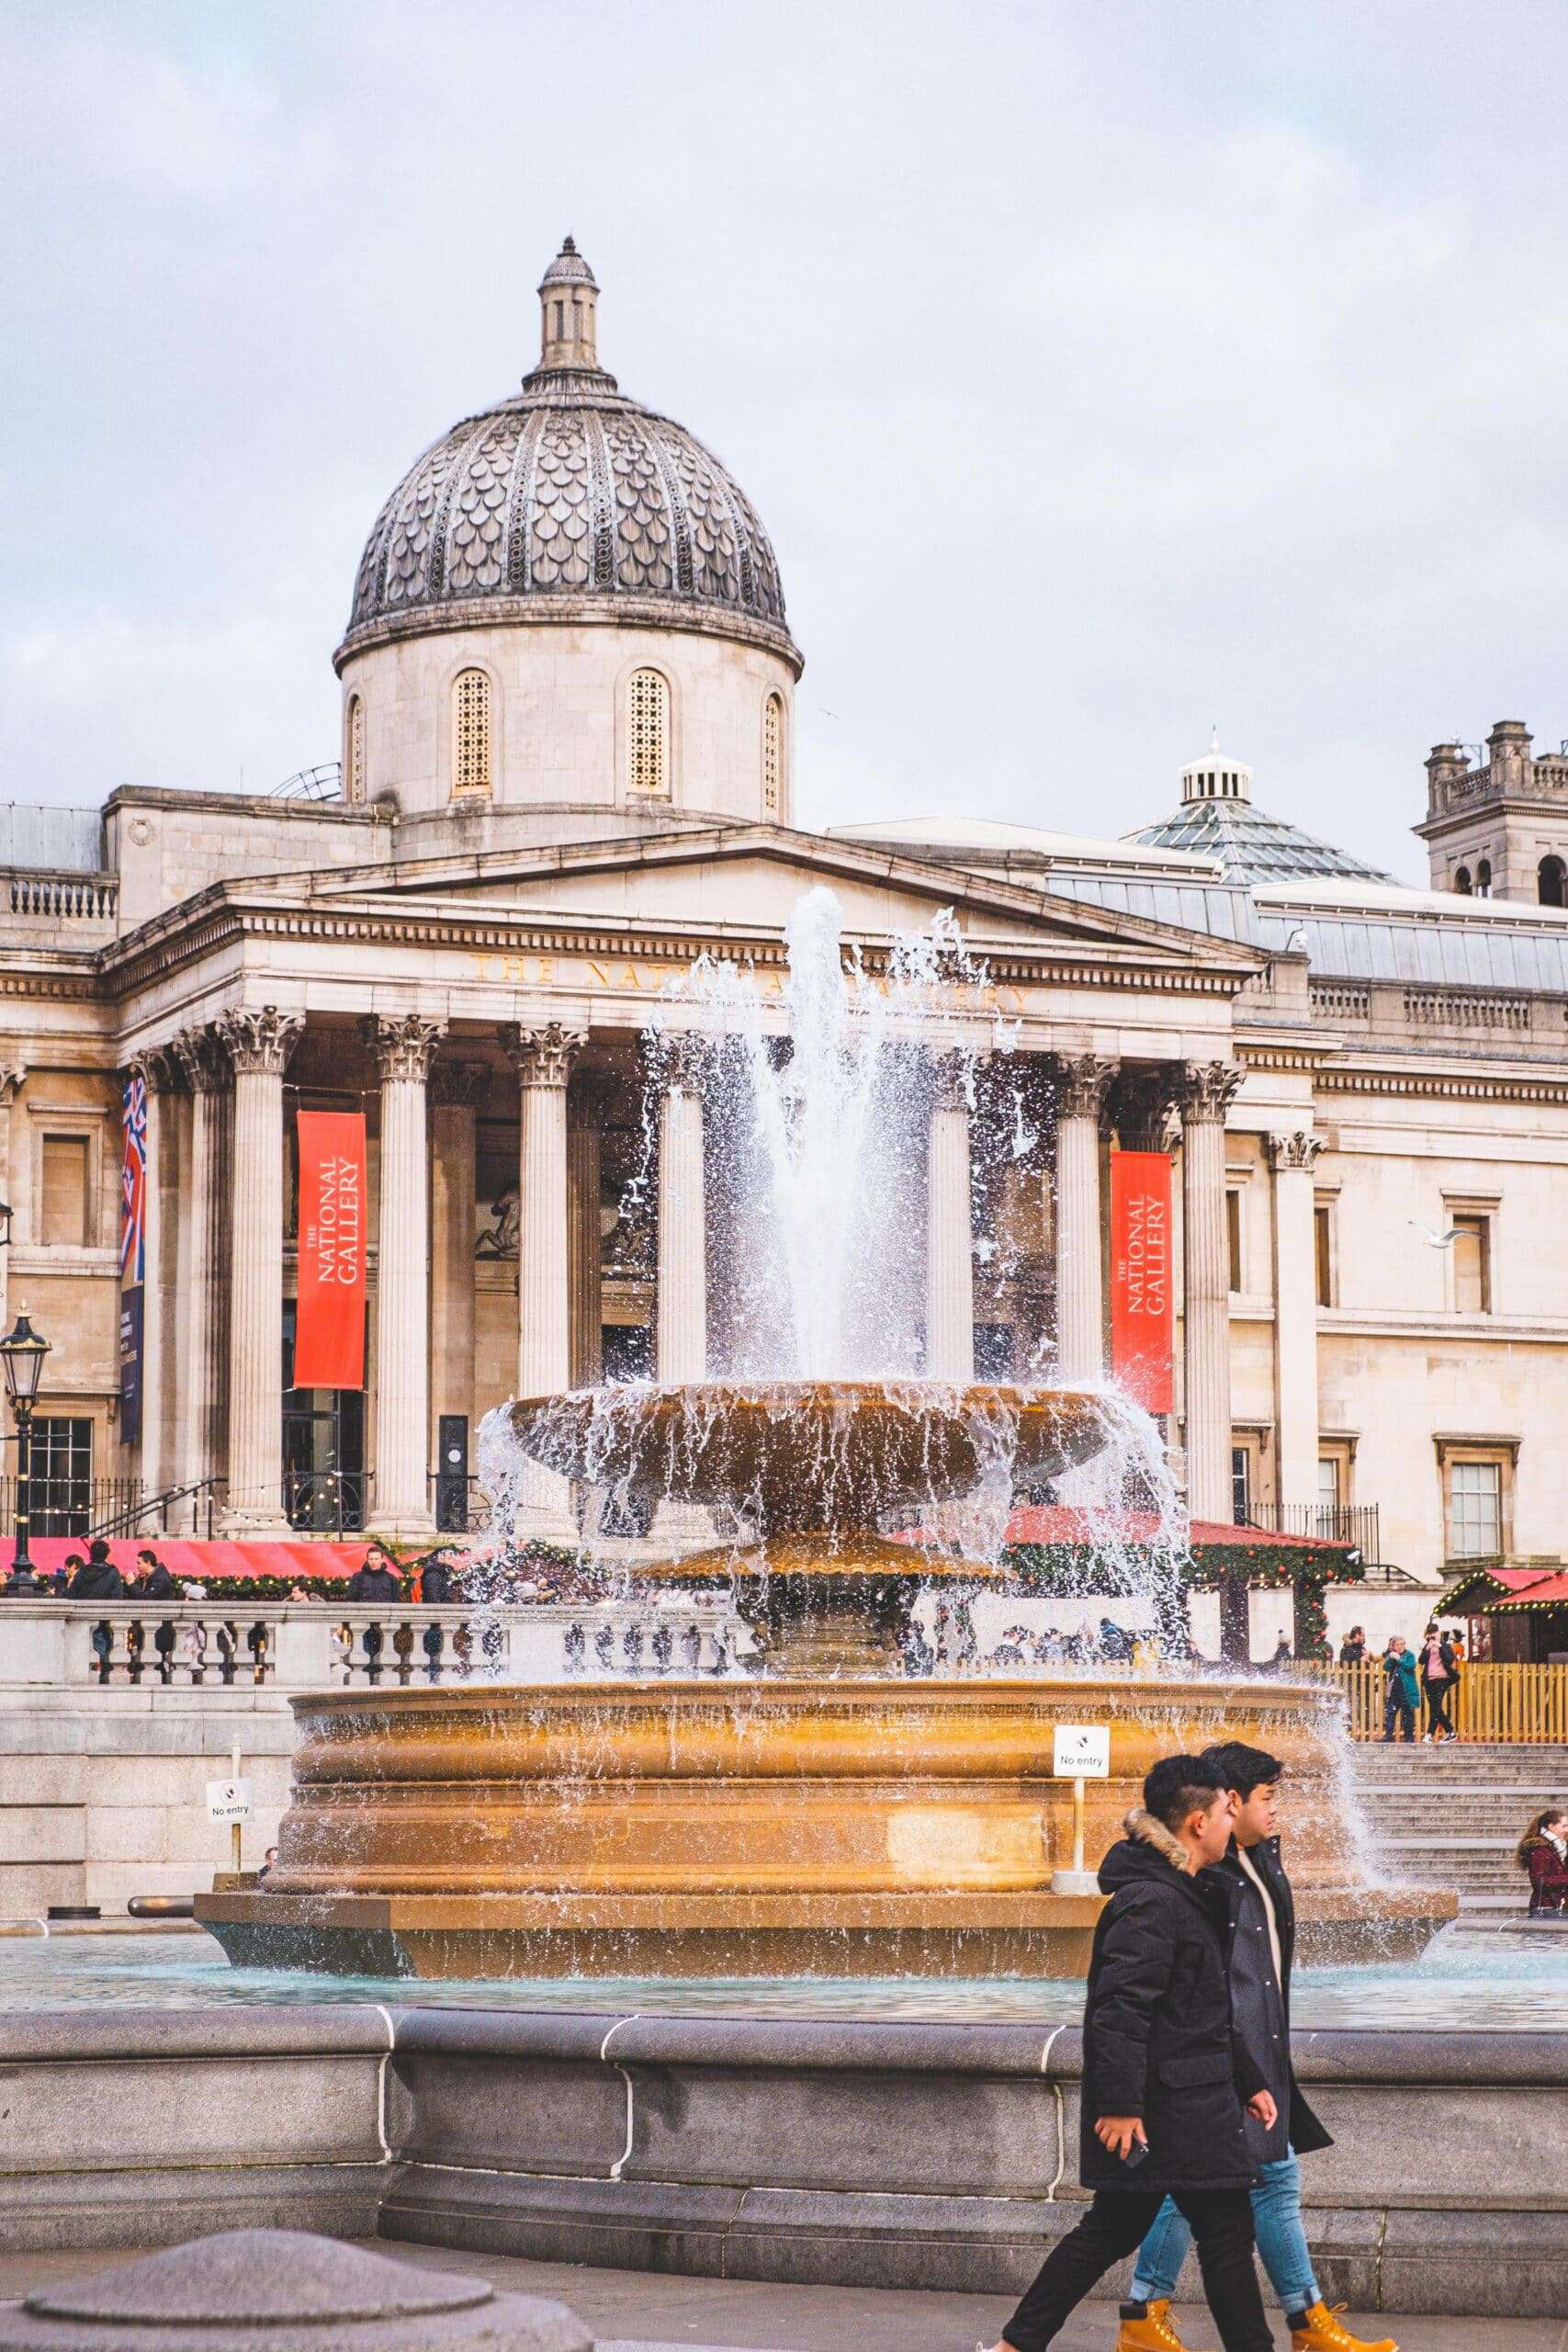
[323, 1450]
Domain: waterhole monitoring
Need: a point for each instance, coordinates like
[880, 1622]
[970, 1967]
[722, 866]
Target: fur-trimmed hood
[1149, 1830]
[1150, 1853]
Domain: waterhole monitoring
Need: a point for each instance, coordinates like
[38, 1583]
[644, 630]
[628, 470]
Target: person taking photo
[1261, 1952]
[1399, 1690]
[1164, 2080]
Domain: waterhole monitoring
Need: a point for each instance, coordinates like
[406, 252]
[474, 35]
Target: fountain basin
[782, 1828]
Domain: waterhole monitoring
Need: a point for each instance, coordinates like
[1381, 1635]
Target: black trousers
[1437, 1717]
[1115, 2224]
[1405, 1709]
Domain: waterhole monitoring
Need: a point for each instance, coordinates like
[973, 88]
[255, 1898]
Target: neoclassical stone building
[566, 774]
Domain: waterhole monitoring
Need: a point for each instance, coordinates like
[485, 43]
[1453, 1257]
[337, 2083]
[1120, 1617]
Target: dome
[568, 502]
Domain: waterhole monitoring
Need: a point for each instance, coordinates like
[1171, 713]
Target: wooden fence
[1525, 1704]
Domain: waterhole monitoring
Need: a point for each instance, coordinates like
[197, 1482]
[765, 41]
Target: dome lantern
[1216, 776]
[568, 326]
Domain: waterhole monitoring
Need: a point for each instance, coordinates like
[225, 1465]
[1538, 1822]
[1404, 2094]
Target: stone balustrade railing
[79, 1646]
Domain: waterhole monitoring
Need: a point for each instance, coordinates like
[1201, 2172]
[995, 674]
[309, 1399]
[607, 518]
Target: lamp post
[22, 1351]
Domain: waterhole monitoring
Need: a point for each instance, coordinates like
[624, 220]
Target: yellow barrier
[1524, 1703]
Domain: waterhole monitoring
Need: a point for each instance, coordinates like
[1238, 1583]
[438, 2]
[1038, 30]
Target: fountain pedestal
[782, 1829]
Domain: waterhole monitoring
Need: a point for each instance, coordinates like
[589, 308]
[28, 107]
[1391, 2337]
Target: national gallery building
[567, 775]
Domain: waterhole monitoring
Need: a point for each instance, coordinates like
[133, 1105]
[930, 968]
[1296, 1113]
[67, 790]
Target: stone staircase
[1451, 1815]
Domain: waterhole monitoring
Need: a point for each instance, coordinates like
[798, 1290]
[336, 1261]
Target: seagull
[1438, 1240]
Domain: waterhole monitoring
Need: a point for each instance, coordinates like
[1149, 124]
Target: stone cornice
[684, 617]
[1444, 1085]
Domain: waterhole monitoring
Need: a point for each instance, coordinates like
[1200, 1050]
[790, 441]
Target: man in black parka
[1164, 2078]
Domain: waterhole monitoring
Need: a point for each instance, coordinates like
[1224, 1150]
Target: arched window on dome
[1461, 880]
[1484, 878]
[647, 735]
[773, 757]
[470, 732]
[1552, 882]
[354, 751]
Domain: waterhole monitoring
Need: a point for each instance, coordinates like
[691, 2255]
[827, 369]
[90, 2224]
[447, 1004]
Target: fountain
[839, 1815]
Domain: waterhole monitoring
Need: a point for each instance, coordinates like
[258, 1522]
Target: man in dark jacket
[1262, 1954]
[374, 1579]
[1164, 2080]
[97, 1579]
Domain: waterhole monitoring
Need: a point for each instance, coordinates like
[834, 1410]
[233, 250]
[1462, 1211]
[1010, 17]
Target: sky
[1104, 371]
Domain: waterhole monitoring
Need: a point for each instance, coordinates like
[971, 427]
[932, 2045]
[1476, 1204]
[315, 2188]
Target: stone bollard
[288, 2293]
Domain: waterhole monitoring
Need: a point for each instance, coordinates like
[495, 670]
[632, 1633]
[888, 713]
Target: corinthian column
[158, 1071]
[543, 1059]
[1293, 1157]
[402, 1048]
[585, 1109]
[1081, 1088]
[11, 1075]
[1206, 1092]
[455, 1088]
[682, 1303]
[259, 1045]
[950, 1246]
[200, 1312]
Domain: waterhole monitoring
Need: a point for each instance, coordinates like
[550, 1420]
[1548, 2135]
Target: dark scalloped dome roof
[569, 492]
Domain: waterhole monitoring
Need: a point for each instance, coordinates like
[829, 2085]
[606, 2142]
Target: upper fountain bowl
[808, 1457]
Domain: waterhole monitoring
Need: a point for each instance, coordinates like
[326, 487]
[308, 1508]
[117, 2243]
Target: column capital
[402, 1044]
[259, 1041]
[457, 1085]
[1144, 1097]
[11, 1075]
[678, 1059]
[203, 1060]
[159, 1068]
[589, 1098]
[543, 1057]
[1208, 1089]
[1297, 1151]
[1083, 1081]
[951, 1080]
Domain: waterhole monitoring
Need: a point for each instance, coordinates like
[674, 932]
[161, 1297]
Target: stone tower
[1499, 831]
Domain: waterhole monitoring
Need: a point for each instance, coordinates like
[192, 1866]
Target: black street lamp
[22, 1351]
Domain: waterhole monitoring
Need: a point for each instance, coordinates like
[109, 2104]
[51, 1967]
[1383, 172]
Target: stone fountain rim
[974, 1692]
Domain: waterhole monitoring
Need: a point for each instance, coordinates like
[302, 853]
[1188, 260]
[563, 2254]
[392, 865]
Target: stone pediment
[742, 882]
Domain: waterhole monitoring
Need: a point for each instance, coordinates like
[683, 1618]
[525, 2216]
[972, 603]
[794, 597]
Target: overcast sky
[1101, 369]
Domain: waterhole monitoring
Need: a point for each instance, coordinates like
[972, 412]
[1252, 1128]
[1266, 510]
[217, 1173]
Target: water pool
[1467, 1978]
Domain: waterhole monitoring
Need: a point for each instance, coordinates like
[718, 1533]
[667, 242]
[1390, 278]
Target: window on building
[1232, 1237]
[1550, 875]
[1472, 1248]
[1323, 1246]
[470, 732]
[1329, 1472]
[1475, 1510]
[1461, 880]
[1241, 1485]
[64, 1207]
[355, 779]
[773, 755]
[59, 1473]
[1484, 878]
[648, 734]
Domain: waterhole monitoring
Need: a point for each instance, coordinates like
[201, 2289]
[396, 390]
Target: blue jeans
[1277, 2225]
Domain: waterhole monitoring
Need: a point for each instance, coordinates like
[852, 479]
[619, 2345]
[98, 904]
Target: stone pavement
[635, 2311]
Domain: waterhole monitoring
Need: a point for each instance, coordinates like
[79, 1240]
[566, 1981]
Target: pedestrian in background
[1543, 1852]
[1440, 1680]
[1400, 1693]
[1353, 1648]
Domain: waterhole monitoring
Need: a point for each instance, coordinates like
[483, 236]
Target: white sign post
[1082, 1752]
[229, 1801]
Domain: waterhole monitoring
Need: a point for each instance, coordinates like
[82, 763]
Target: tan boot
[1324, 2333]
[1155, 2332]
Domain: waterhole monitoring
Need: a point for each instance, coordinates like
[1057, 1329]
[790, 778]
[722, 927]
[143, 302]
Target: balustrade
[285, 1647]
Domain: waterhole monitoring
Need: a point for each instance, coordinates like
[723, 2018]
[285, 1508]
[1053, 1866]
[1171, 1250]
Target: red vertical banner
[329, 1333]
[1140, 1303]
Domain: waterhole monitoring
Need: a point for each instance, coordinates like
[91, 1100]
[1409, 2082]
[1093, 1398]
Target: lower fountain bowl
[801, 1828]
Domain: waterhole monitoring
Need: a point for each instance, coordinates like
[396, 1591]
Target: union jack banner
[134, 1183]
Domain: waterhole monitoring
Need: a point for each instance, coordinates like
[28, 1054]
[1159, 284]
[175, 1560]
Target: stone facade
[1367, 1162]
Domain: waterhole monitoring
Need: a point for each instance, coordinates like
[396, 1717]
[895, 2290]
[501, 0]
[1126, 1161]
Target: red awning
[1548, 1591]
[1056, 1523]
[202, 1561]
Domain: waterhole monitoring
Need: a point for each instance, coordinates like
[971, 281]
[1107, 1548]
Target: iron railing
[1354, 1523]
[66, 1503]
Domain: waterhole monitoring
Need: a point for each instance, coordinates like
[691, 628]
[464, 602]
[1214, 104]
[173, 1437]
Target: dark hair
[1241, 1767]
[97, 1550]
[80, 1559]
[1536, 1832]
[1180, 1785]
[147, 1552]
